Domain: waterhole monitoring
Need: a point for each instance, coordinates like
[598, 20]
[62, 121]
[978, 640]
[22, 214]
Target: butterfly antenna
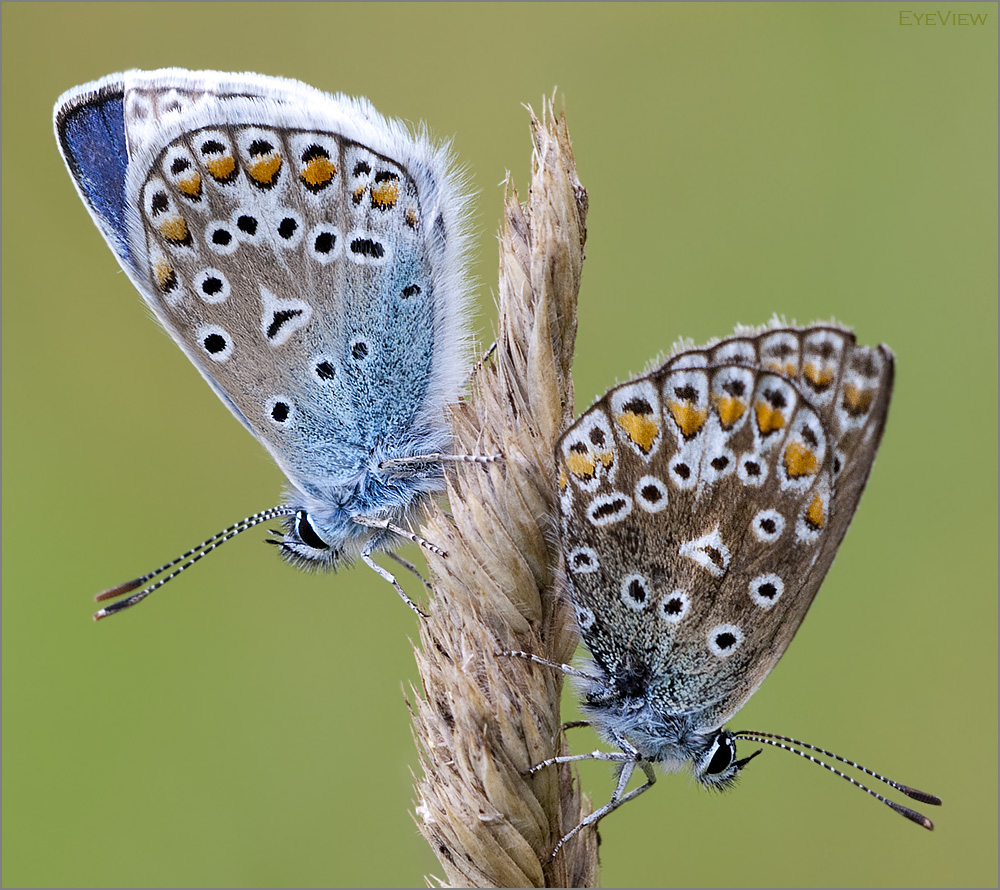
[186, 560]
[786, 743]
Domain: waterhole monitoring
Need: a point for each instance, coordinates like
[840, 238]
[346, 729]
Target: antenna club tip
[927, 824]
[922, 796]
[103, 613]
[119, 590]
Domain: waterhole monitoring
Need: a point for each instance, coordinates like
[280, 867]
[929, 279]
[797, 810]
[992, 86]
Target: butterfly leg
[372, 522]
[388, 576]
[478, 366]
[440, 457]
[406, 564]
[628, 757]
[618, 797]
[613, 756]
[565, 668]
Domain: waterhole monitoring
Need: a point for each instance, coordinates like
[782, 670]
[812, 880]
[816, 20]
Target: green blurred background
[247, 726]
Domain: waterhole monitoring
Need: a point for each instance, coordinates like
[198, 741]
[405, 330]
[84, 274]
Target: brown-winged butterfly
[701, 505]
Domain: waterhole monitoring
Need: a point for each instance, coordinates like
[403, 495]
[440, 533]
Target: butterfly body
[702, 504]
[308, 256]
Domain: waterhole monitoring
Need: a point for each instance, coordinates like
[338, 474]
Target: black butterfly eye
[307, 534]
[721, 760]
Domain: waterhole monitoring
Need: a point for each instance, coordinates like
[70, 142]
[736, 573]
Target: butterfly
[701, 505]
[309, 256]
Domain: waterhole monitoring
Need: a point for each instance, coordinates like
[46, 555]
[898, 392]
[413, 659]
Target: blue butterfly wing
[303, 251]
[91, 134]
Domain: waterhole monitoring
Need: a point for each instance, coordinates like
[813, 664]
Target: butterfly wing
[703, 503]
[300, 248]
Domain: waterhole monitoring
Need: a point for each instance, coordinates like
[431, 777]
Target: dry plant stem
[483, 719]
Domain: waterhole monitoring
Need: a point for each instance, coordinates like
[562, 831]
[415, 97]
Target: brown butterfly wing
[703, 503]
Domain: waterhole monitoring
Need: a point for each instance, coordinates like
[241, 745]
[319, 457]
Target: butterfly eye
[307, 533]
[720, 755]
[718, 766]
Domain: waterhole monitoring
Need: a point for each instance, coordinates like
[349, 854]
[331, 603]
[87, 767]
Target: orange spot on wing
[730, 410]
[581, 464]
[819, 377]
[221, 168]
[816, 513]
[786, 368]
[689, 417]
[190, 185]
[163, 272]
[265, 169]
[318, 171]
[385, 194]
[174, 229]
[800, 461]
[768, 419]
[641, 429]
[856, 400]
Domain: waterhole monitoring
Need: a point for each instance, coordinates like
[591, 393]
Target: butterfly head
[717, 766]
[314, 537]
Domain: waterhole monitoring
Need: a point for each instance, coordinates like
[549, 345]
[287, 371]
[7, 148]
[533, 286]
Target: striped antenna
[786, 744]
[186, 560]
